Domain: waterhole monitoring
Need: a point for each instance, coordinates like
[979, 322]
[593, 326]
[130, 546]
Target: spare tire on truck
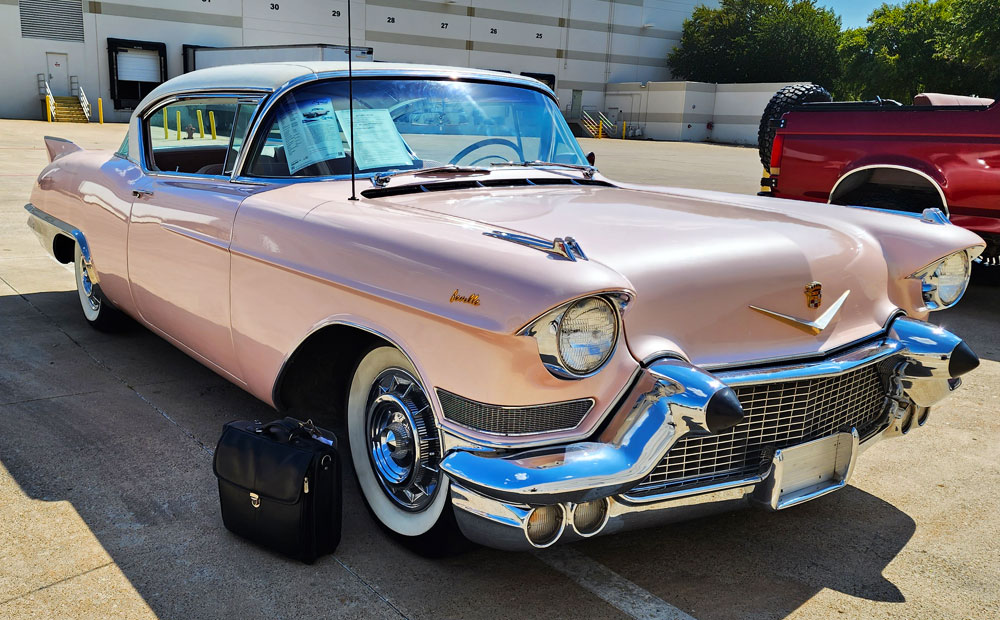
[783, 101]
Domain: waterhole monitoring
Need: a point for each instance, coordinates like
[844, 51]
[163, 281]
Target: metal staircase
[73, 109]
[69, 110]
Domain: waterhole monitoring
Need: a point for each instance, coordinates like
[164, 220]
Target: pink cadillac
[516, 344]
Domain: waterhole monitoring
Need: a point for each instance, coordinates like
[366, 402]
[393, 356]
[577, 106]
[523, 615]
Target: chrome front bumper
[494, 492]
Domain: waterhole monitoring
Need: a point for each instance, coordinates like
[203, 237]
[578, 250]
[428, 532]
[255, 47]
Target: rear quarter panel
[91, 191]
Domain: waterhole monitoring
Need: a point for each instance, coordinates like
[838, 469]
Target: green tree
[759, 41]
[973, 38]
[896, 56]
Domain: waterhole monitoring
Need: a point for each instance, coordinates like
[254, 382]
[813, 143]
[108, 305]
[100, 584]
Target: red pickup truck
[943, 151]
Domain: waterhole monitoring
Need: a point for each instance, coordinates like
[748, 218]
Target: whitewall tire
[394, 444]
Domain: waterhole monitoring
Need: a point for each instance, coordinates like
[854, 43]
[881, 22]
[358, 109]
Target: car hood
[698, 261]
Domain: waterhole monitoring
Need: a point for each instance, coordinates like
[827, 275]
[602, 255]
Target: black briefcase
[279, 485]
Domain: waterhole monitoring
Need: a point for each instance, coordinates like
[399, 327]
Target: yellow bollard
[211, 122]
[600, 128]
[201, 124]
[100, 110]
[48, 108]
[166, 125]
[178, 124]
[624, 126]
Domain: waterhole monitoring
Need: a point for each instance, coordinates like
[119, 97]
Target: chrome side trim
[927, 177]
[48, 219]
[70, 231]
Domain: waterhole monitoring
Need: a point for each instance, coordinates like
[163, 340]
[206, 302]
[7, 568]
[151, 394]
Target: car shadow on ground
[122, 427]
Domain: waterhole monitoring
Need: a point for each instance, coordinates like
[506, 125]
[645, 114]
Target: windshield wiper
[380, 179]
[588, 171]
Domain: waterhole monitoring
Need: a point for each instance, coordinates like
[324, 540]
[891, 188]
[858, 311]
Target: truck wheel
[394, 448]
[98, 311]
[783, 101]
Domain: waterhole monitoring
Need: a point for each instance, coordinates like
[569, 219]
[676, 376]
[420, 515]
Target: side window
[192, 135]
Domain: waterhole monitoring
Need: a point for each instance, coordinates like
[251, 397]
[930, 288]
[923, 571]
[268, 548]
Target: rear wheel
[98, 311]
[395, 451]
[783, 101]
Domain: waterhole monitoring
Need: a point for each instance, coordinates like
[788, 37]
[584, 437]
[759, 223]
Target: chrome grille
[500, 420]
[777, 415]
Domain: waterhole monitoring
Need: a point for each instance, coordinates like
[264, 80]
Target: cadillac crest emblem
[814, 294]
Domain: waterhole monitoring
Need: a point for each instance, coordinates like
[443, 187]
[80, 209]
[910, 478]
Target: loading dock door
[136, 67]
[139, 65]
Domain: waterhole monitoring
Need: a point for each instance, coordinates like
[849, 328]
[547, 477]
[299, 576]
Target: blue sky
[855, 12]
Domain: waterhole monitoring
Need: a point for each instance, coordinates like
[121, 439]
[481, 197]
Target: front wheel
[98, 311]
[395, 451]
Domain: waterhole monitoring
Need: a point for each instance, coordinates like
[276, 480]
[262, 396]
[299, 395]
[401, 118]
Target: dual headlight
[943, 282]
[576, 339]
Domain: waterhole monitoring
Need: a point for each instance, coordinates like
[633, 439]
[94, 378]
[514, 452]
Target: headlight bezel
[929, 287]
[545, 331]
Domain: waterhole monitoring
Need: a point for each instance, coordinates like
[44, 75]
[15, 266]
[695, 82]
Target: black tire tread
[783, 101]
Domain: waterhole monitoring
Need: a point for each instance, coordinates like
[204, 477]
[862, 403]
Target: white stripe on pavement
[609, 585]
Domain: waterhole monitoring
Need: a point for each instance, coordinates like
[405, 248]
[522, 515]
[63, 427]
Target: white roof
[271, 76]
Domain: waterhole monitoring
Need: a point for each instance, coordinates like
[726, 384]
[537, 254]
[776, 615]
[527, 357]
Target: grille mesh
[513, 420]
[777, 415]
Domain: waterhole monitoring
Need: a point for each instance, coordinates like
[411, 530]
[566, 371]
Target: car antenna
[350, 95]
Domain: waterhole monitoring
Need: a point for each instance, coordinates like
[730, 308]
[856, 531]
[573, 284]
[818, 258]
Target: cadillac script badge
[814, 294]
[471, 299]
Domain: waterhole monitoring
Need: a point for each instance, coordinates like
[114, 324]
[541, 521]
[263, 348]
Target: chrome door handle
[139, 193]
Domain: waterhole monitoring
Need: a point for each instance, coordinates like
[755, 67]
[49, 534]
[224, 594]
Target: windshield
[410, 124]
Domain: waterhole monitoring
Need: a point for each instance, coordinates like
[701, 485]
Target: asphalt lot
[108, 505]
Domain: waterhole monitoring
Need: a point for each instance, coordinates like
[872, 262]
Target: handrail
[82, 96]
[50, 100]
[610, 128]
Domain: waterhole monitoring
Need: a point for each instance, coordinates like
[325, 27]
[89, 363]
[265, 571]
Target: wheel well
[316, 378]
[910, 187]
[63, 248]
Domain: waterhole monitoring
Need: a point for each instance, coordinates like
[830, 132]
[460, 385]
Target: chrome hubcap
[87, 287]
[402, 440]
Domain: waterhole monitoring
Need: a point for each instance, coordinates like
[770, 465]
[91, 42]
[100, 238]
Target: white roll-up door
[139, 65]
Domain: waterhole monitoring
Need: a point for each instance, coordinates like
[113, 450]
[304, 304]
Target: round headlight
[951, 277]
[587, 334]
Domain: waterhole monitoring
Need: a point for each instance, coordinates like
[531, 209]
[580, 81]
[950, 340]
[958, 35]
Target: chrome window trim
[279, 93]
[241, 96]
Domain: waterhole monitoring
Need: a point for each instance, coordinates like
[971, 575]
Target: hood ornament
[566, 248]
[813, 327]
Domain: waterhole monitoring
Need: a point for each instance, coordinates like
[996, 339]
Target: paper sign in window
[310, 134]
[379, 144]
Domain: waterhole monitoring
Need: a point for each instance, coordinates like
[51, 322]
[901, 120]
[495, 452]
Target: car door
[182, 219]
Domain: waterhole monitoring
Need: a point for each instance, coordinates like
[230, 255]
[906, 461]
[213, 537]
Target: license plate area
[807, 471]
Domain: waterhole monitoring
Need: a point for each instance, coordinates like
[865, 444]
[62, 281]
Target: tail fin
[57, 147]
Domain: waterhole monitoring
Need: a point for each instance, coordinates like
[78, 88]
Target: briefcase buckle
[255, 500]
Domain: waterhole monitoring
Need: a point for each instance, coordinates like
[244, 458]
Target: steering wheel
[487, 142]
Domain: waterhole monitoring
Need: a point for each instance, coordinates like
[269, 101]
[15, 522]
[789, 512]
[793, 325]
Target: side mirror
[591, 158]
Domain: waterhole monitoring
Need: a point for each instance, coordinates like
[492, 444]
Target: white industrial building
[120, 50]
